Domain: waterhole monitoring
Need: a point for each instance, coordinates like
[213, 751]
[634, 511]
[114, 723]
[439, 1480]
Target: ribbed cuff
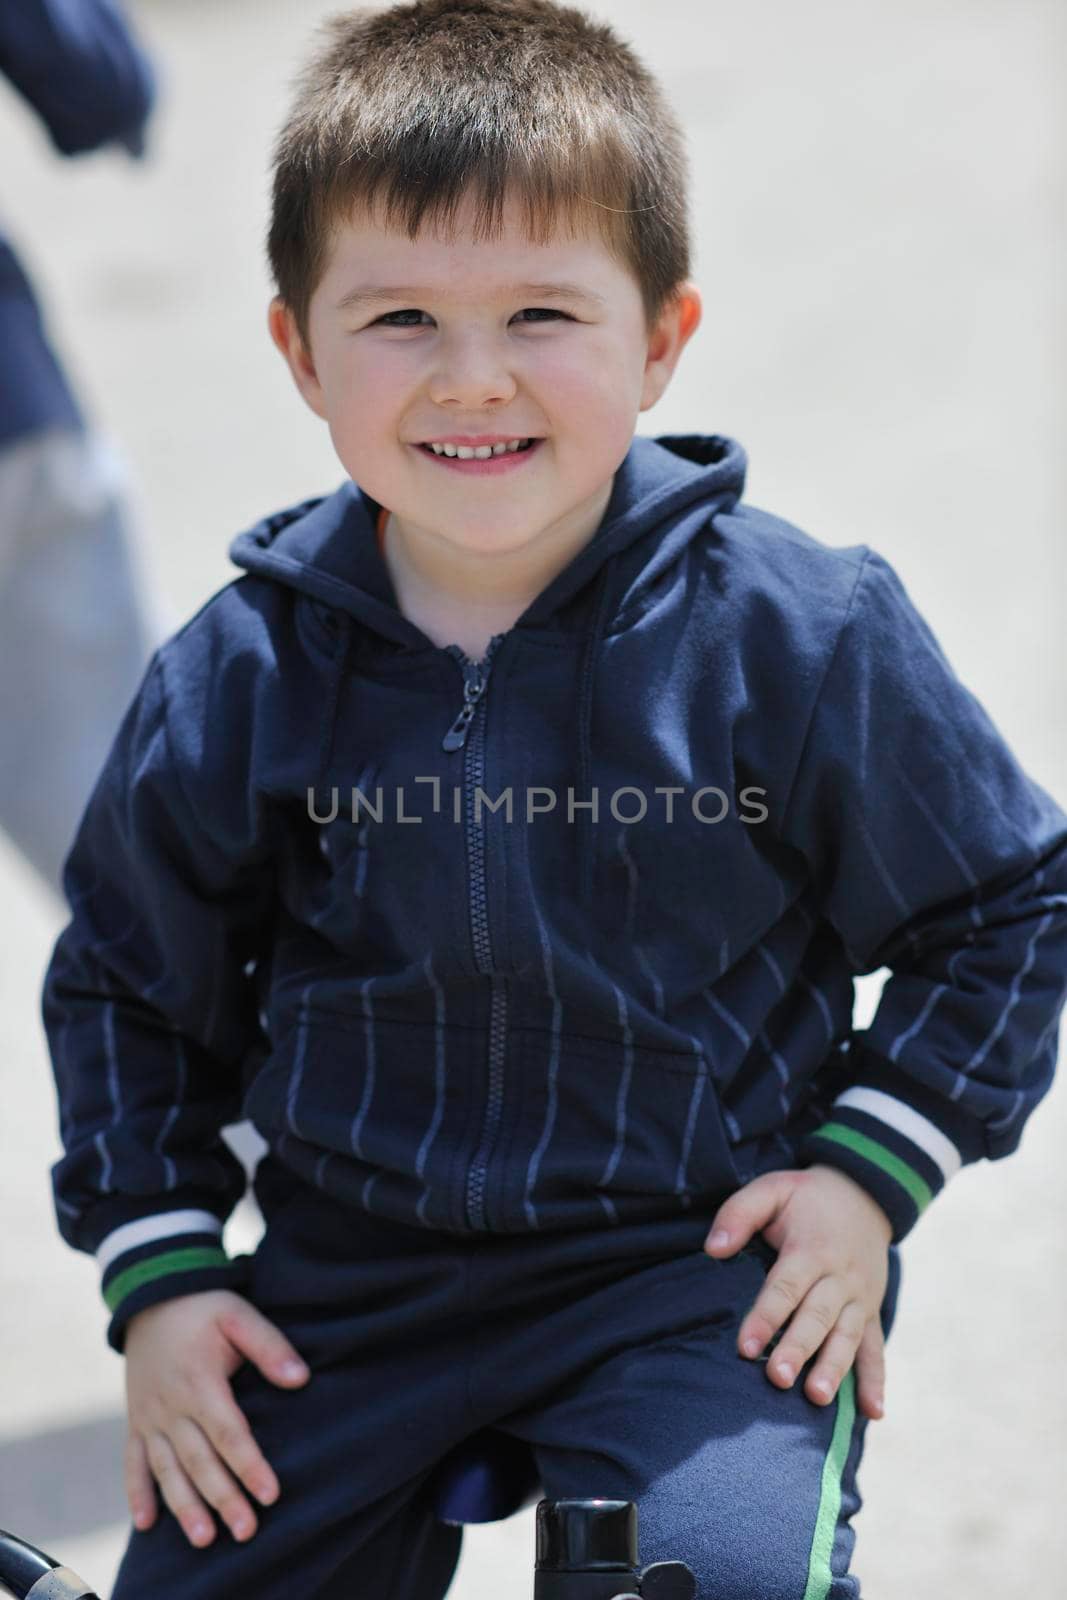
[895, 1137]
[161, 1256]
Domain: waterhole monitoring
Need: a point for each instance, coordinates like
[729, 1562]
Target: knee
[731, 1559]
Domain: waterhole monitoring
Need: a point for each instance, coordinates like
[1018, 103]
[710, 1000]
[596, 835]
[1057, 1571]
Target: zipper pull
[473, 688]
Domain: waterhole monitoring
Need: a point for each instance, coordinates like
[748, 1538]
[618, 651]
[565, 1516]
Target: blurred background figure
[74, 630]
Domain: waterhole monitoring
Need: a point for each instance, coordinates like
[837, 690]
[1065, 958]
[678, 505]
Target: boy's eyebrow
[376, 293]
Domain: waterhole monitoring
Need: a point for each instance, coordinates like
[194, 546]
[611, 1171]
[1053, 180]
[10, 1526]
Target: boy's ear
[678, 322]
[286, 335]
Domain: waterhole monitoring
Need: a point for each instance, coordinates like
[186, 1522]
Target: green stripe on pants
[819, 1575]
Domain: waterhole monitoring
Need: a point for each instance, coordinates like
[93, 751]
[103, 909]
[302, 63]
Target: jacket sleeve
[937, 857]
[79, 66]
[149, 1006]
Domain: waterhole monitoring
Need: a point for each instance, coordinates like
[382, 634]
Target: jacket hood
[326, 548]
[669, 486]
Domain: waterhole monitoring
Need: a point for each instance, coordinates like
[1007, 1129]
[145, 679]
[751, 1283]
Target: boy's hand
[832, 1239]
[185, 1428]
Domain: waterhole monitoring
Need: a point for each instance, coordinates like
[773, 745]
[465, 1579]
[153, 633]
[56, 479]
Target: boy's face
[462, 349]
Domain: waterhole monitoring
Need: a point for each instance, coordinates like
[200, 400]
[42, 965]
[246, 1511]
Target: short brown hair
[414, 106]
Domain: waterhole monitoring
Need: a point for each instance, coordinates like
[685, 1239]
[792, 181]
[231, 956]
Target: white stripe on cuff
[906, 1120]
[146, 1230]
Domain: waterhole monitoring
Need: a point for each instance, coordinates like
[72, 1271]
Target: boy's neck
[465, 600]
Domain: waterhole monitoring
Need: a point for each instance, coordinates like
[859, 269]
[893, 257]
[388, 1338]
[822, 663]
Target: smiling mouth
[485, 461]
[481, 452]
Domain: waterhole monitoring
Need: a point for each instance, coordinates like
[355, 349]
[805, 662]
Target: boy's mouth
[485, 459]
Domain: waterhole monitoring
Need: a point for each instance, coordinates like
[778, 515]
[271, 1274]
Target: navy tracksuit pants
[611, 1351]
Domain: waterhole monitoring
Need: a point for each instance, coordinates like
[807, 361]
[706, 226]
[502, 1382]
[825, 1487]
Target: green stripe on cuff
[190, 1260]
[879, 1156]
[820, 1575]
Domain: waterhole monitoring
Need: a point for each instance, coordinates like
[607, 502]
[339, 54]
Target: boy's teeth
[481, 452]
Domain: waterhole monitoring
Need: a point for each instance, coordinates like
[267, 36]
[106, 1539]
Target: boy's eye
[535, 311]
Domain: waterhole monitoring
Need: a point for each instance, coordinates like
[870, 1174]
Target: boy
[505, 844]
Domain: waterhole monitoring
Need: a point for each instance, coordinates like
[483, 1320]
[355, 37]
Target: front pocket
[609, 1131]
[389, 1116]
[373, 1111]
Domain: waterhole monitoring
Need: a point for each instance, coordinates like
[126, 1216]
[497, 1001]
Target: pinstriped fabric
[699, 1086]
[114, 1089]
[910, 1033]
[370, 1069]
[728, 1017]
[622, 1011]
[905, 1145]
[820, 1001]
[297, 1072]
[361, 863]
[632, 877]
[653, 980]
[1013, 997]
[731, 1124]
[914, 1031]
[937, 830]
[181, 1077]
[113, 1077]
[633, 880]
[218, 968]
[366, 1005]
[781, 1067]
[541, 1146]
[889, 882]
[439, 1081]
[321, 1167]
[104, 1153]
[775, 969]
[1045, 1050]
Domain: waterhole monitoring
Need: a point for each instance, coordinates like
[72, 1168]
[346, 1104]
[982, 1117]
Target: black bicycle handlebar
[28, 1574]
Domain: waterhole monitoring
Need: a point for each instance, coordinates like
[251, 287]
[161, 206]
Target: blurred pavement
[880, 244]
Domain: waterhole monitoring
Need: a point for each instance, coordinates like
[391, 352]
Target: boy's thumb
[266, 1347]
[742, 1215]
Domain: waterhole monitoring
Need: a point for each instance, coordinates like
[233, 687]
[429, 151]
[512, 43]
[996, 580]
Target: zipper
[471, 721]
[474, 683]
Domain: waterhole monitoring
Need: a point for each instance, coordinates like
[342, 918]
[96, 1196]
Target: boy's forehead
[366, 254]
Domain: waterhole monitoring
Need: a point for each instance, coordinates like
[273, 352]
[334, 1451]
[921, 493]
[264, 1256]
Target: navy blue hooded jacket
[351, 885]
[80, 68]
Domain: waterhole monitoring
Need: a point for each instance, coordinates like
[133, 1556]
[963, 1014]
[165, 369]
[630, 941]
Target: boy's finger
[210, 1478]
[835, 1357]
[264, 1345]
[140, 1488]
[745, 1212]
[787, 1283]
[870, 1371]
[824, 1322]
[226, 1426]
[178, 1493]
